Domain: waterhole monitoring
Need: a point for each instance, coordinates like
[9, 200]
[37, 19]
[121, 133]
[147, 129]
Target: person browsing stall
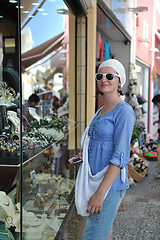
[27, 118]
[102, 177]
[156, 101]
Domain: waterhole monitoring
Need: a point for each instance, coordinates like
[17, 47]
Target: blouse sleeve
[124, 123]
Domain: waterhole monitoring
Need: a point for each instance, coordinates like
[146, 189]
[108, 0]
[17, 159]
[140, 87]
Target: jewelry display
[8, 146]
[12, 117]
[46, 132]
[5, 234]
[7, 94]
[11, 218]
[34, 114]
[4, 199]
[50, 194]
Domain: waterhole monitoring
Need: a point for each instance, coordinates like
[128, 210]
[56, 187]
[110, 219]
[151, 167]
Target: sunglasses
[108, 76]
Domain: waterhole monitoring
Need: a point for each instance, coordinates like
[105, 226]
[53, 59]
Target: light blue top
[110, 136]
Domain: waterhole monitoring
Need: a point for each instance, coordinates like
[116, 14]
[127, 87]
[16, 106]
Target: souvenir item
[30, 219]
[12, 218]
[5, 234]
[12, 117]
[7, 94]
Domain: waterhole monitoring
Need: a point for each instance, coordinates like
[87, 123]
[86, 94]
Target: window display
[35, 177]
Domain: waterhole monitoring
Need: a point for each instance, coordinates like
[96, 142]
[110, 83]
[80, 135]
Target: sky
[45, 27]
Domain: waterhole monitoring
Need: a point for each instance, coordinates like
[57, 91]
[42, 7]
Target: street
[141, 220]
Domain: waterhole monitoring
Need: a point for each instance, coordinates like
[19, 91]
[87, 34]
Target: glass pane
[46, 187]
[10, 148]
[47, 184]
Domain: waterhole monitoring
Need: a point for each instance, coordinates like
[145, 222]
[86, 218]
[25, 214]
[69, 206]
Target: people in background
[55, 103]
[27, 118]
[156, 101]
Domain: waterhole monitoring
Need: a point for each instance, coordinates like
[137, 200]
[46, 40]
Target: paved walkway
[141, 220]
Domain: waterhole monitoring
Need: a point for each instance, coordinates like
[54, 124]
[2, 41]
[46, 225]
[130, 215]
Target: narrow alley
[142, 201]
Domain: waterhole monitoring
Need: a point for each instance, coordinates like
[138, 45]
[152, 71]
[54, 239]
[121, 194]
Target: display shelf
[47, 200]
[10, 167]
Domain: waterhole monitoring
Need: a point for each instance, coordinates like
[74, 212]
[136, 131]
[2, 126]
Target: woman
[108, 150]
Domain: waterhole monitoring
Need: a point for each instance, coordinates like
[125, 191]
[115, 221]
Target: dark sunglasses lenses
[109, 76]
[99, 76]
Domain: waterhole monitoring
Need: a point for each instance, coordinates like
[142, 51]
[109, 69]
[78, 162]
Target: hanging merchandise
[101, 54]
[98, 43]
[107, 51]
[141, 100]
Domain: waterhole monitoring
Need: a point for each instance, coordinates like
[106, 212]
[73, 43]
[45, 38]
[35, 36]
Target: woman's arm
[96, 201]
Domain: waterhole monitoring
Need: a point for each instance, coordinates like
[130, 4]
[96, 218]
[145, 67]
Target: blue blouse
[110, 136]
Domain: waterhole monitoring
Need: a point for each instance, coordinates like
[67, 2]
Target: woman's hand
[78, 155]
[95, 203]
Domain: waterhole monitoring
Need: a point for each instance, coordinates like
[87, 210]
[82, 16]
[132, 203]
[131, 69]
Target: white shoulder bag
[86, 183]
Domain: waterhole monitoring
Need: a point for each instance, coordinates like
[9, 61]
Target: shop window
[34, 119]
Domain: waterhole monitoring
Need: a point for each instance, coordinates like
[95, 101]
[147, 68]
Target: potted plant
[135, 135]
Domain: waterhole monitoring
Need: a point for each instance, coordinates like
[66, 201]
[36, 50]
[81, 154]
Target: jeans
[98, 226]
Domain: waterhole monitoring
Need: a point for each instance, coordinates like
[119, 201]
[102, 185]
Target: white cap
[118, 67]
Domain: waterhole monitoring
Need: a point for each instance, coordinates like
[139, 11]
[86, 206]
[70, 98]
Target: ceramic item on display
[30, 219]
[5, 234]
[12, 218]
[35, 232]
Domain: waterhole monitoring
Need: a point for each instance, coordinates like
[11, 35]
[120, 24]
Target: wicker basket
[135, 175]
[150, 158]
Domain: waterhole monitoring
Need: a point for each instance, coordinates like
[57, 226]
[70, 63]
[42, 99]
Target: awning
[35, 54]
[58, 60]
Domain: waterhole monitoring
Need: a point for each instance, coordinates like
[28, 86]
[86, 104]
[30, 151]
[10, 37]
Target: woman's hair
[156, 99]
[120, 92]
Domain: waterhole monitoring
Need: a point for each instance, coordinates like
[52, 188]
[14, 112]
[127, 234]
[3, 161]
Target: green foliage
[135, 135]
